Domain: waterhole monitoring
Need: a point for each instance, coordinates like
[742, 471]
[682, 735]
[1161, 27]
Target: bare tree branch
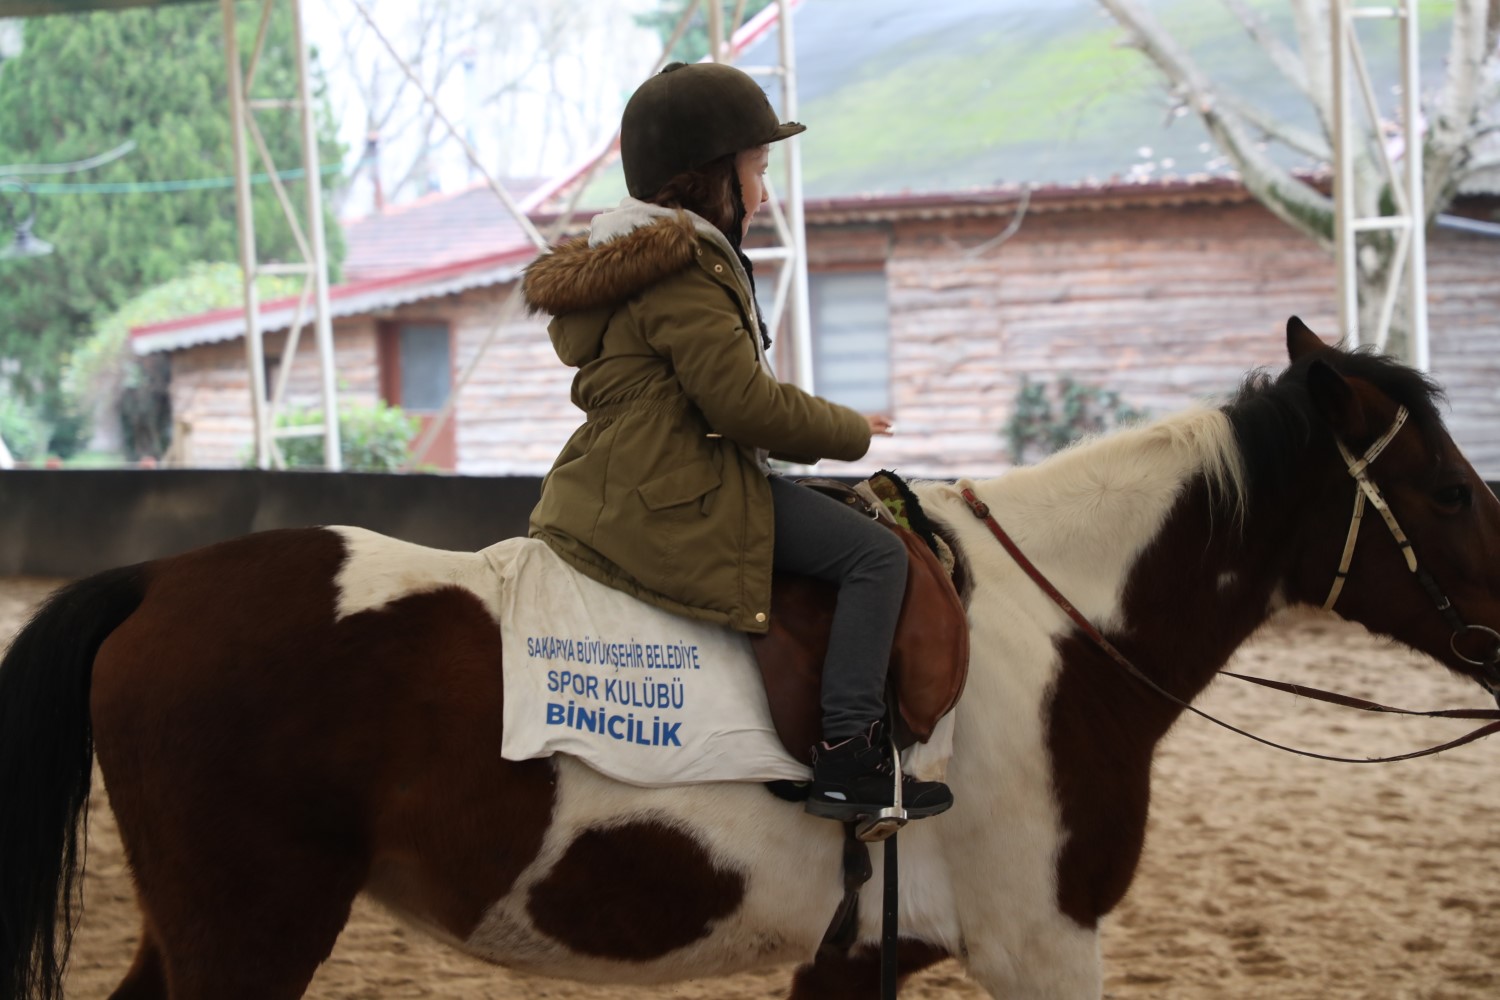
[1457, 120]
[418, 168]
[436, 37]
[1281, 54]
[1476, 166]
[1312, 19]
[1011, 228]
[1492, 29]
[540, 39]
[516, 82]
[1452, 120]
[1288, 198]
[1308, 143]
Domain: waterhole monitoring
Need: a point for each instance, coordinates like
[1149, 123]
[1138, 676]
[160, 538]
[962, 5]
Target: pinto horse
[289, 719]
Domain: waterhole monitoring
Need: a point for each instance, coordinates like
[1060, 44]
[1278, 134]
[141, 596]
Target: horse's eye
[1457, 496]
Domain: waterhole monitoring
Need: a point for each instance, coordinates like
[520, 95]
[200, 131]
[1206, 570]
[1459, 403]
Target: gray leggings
[820, 537]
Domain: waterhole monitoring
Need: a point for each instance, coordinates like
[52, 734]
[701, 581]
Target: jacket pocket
[679, 486]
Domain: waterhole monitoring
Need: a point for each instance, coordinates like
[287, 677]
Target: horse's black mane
[1274, 418]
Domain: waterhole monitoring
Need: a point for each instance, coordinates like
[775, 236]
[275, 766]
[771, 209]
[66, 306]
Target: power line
[161, 187]
[32, 169]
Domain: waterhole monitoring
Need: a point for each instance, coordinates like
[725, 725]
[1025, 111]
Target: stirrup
[884, 824]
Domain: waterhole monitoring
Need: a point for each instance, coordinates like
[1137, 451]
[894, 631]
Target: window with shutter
[851, 338]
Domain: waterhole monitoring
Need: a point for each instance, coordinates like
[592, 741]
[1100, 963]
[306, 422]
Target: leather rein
[1358, 469]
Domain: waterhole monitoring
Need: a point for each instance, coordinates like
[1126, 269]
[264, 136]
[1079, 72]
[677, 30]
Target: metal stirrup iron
[886, 822]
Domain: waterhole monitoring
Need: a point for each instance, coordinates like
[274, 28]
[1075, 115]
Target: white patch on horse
[1227, 581]
[790, 861]
[982, 879]
[742, 828]
[378, 570]
[1117, 493]
[1084, 516]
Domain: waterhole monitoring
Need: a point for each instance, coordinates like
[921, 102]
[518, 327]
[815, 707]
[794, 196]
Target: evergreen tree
[83, 84]
[694, 42]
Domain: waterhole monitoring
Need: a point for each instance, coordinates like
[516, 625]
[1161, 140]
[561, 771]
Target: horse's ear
[1336, 400]
[1300, 340]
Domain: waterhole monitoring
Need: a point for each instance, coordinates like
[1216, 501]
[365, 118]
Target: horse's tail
[46, 763]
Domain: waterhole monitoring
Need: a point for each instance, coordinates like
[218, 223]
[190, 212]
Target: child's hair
[711, 191]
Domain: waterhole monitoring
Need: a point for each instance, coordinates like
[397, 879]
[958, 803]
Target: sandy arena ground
[1265, 875]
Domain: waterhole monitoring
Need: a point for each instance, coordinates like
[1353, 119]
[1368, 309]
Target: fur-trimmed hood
[628, 249]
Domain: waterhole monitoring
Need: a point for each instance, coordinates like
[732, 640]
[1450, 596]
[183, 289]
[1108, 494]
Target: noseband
[1359, 469]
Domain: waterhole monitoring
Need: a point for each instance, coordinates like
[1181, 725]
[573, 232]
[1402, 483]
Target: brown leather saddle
[930, 655]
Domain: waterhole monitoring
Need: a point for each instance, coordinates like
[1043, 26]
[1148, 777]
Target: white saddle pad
[640, 694]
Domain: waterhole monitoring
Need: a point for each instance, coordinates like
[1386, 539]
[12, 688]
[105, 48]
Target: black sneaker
[854, 778]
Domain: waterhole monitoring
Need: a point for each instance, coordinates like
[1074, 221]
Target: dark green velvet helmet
[688, 115]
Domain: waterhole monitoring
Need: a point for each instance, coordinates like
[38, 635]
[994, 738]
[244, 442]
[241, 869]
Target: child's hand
[881, 425]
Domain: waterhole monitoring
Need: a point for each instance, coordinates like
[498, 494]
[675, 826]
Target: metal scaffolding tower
[727, 39]
[309, 237]
[1409, 259]
[791, 301]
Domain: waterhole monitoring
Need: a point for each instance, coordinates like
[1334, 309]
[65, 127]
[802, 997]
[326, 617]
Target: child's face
[750, 165]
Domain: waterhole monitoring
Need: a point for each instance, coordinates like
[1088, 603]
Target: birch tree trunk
[1453, 118]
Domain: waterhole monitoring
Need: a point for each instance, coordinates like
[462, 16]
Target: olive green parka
[662, 492]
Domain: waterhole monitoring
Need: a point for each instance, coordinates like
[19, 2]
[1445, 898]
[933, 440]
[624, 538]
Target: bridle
[1359, 469]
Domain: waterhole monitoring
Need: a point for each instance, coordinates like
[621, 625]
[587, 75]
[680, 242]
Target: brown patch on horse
[1103, 724]
[856, 976]
[147, 978]
[220, 751]
[929, 656]
[454, 824]
[633, 892]
[277, 762]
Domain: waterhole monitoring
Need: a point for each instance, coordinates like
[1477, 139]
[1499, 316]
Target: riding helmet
[688, 115]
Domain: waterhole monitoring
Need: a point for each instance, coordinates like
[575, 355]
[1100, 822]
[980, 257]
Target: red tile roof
[348, 299]
[433, 231]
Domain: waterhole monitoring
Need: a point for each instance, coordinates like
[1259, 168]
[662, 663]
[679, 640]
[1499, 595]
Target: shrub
[374, 438]
[22, 428]
[1044, 422]
[109, 385]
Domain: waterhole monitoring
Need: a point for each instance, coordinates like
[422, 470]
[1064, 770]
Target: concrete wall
[73, 523]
